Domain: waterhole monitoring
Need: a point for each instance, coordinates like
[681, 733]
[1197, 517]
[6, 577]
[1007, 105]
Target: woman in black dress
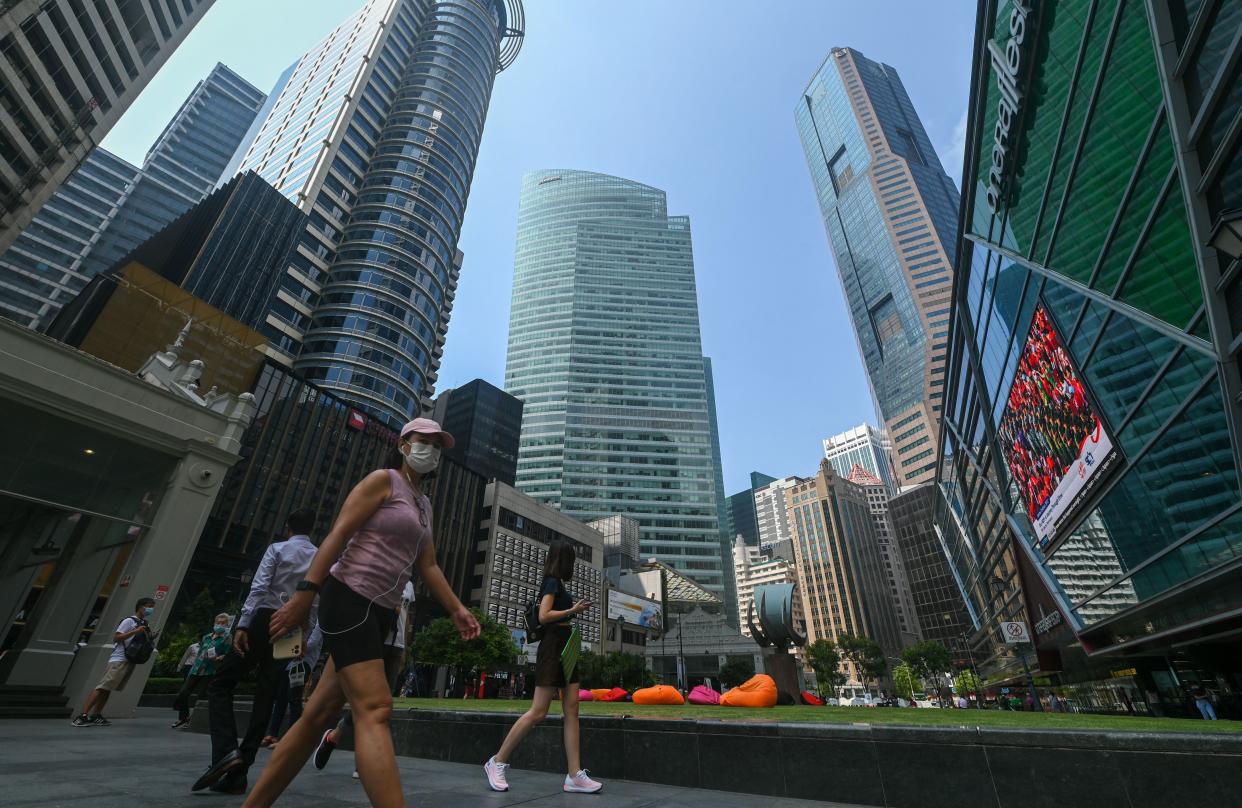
[555, 611]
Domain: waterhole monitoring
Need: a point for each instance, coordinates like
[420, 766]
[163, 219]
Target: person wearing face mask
[275, 582]
[383, 532]
[120, 666]
[211, 650]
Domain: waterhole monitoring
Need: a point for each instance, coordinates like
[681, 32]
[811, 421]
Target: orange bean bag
[757, 691]
[660, 694]
[600, 693]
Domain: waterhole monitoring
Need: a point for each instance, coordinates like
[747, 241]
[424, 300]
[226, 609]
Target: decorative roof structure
[860, 476]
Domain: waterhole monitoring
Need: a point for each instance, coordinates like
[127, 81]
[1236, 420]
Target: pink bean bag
[757, 691]
[702, 694]
[586, 695]
[660, 694]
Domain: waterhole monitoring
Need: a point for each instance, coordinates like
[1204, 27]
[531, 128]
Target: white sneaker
[582, 784]
[496, 774]
[355, 774]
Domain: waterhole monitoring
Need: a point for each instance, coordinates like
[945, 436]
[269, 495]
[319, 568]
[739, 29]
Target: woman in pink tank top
[381, 536]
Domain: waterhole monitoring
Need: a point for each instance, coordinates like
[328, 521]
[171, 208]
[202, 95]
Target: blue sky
[692, 96]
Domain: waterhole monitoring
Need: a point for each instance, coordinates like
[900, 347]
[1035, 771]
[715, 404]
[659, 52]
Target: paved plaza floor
[141, 762]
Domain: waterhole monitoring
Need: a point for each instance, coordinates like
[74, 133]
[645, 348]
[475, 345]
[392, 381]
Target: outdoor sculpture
[776, 632]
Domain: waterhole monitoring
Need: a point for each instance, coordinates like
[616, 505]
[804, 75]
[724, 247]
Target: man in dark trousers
[284, 564]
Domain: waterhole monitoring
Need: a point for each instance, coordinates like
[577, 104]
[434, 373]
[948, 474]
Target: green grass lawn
[851, 715]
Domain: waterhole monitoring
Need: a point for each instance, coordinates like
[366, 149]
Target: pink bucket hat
[426, 426]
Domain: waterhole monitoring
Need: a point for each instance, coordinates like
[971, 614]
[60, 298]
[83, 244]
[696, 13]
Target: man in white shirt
[284, 564]
[120, 666]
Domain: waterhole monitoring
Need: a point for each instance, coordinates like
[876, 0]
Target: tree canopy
[440, 644]
[825, 660]
[866, 654]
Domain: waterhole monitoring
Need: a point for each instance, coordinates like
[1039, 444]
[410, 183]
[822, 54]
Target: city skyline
[566, 133]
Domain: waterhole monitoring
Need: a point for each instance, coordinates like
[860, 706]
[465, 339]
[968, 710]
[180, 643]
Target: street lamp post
[970, 654]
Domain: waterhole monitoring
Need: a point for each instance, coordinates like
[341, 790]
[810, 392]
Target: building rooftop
[860, 476]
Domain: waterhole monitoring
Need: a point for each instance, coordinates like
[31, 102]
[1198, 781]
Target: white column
[159, 560]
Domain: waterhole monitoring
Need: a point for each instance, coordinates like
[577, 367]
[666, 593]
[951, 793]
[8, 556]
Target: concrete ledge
[864, 765]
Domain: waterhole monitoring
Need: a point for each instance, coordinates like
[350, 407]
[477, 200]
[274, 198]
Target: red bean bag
[757, 691]
[702, 694]
[599, 693]
[585, 695]
[616, 694]
[812, 699]
[660, 694]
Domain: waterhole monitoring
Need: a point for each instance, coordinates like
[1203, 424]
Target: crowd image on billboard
[1048, 419]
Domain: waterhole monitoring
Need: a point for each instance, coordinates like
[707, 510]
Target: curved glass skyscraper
[604, 350]
[375, 133]
[891, 214]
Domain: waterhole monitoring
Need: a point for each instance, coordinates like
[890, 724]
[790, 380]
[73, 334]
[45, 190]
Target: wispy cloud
[953, 155]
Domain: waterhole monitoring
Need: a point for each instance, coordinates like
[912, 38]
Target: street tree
[929, 660]
[825, 660]
[440, 644]
[904, 681]
[737, 670]
[866, 654]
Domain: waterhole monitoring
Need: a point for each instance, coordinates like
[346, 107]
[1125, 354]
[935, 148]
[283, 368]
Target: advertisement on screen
[1055, 444]
[639, 611]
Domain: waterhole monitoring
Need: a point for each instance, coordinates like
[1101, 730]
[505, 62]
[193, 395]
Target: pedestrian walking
[384, 532]
[210, 650]
[188, 658]
[290, 690]
[134, 643]
[394, 656]
[555, 611]
[1203, 701]
[284, 564]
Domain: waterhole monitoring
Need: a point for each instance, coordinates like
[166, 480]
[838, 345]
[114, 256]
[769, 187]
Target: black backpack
[141, 646]
[530, 618]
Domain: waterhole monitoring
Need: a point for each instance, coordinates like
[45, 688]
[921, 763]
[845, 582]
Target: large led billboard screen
[639, 611]
[1055, 444]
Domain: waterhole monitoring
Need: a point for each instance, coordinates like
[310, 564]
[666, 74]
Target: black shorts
[548, 669]
[353, 627]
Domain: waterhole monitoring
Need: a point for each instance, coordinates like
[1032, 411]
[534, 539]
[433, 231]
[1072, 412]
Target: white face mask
[423, 457]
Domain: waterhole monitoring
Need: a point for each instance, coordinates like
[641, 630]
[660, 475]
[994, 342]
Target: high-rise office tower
[486, 423]
[375, 134]
[604, 350]
[772, 518]
[71, 69]
[740, 510]
[865, 446]
[891, 216]
[894, 570]
[108, 207]
[840, 571]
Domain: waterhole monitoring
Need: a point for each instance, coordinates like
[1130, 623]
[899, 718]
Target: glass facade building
[890, 212]
[70, 70]
[486, 423]
[374, 135]
[108, 207]
[1102, 145]
[865, 446]
[604, 350]
[42, 268]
